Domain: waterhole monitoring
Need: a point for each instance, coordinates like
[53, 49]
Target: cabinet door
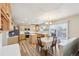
[0, 16]
[4, 24]
[5, 16]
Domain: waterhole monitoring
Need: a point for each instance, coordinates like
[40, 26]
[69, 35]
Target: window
[61, 30]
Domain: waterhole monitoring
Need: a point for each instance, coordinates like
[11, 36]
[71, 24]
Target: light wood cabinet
[0, 16]
[33, 38]
[5, 16]
[13, 40]
[21, 37]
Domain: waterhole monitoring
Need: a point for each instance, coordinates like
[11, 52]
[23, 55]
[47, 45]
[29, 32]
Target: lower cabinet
[13, 40]
[21, 37]
[33, 38]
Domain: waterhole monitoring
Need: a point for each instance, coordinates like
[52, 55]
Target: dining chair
[54, 42]
[42, 35]
[41, 46]
[39, 43]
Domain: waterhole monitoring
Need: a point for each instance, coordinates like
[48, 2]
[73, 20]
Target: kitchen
[22, 28]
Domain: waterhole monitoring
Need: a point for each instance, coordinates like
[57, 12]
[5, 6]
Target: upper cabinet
[5, 17]
[0, 16]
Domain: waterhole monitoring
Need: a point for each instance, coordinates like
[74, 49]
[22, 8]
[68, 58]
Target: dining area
[47, 45]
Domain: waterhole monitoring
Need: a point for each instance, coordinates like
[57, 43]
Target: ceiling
[36, 13]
